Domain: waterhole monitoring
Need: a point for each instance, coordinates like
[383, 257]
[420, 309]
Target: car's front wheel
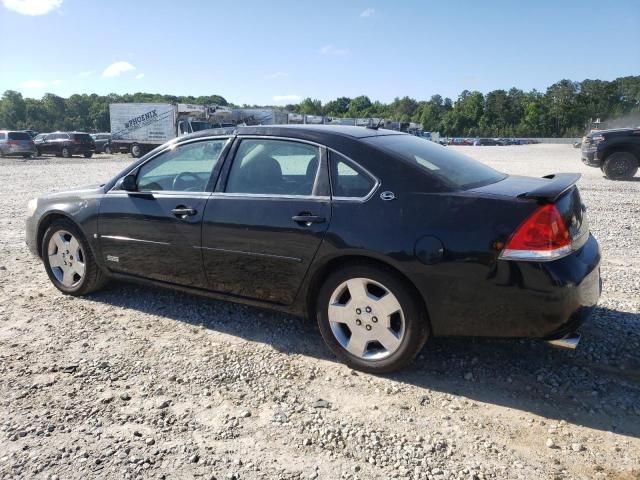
[370, 318]
[69, 261]
[88, 154]
[620, 166]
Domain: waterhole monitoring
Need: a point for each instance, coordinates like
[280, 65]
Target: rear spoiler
[558, 184]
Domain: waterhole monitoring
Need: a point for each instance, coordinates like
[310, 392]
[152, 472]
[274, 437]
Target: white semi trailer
[139, 127]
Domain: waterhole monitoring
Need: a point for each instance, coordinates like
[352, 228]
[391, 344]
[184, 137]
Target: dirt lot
[137, 382]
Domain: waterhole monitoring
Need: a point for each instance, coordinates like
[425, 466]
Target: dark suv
[67, 144]
[616, 152]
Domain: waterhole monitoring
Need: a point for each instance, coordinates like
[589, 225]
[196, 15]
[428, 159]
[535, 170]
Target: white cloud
[332, 50]
[32, 7]
[287, 98]
[368, 12]
[55, 83]
[276, 76]
[34, 84]
[88, 73]
[118, 68]
[140, 76]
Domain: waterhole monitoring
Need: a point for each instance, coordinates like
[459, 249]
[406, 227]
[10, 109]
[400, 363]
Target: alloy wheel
[366, 319]
[66, 258]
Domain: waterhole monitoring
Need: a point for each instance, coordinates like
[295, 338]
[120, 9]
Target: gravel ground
[137, 382]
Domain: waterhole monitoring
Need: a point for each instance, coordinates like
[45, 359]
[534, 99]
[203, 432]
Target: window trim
[353, 163]
[224, 177]
[115, 189]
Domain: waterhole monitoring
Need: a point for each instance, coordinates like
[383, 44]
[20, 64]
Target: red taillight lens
[542, 236]
[12, 142]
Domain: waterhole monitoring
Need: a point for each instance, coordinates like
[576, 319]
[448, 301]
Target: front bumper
[590, 157]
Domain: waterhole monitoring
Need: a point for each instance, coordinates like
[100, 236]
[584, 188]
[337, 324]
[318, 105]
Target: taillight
[77, 142]
[542, 237]
[12, 142]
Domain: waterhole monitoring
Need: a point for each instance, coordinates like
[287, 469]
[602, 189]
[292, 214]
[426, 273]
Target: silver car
[16, 143]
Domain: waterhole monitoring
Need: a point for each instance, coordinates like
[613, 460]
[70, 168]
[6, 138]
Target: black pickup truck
[616, 152]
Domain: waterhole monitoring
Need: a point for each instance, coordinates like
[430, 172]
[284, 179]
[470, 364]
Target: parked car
[478, 142]
[382, 237]
[32, 133]
[66, 144]
[102, 141]
[14, 143]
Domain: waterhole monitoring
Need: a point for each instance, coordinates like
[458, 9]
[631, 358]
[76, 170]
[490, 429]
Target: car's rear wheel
[69, 261]
[27, 155]
[620, 166]
[369, 318]
[66, 153]
[88, 155]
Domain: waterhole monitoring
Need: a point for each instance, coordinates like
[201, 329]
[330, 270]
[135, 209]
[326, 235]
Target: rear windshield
[82, 136]
[452, 167]
[19, 136]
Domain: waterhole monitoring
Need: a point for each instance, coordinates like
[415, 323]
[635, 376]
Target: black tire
[88, 154]
[93, 279]
[416, 323]
[27, 156]
[38, 152]
[136, 151]
[620, 166]
[66, 153]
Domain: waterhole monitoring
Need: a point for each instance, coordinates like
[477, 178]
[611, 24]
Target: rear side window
[274, 167]
[349, 180]
[452, 167]
[19, 136]
[83, 137]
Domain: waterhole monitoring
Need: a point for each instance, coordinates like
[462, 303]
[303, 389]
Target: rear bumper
[19, 150]
[517, 299]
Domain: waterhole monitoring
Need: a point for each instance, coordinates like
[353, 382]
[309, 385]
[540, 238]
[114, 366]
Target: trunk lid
[559, 190]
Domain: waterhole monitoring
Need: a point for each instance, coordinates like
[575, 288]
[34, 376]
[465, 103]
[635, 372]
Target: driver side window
[185, 168]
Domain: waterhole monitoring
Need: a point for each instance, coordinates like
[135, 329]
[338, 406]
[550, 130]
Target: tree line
[563, 110]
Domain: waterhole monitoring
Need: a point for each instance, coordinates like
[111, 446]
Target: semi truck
[137, 128]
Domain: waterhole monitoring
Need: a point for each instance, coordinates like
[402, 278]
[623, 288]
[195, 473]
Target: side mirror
[129, 183]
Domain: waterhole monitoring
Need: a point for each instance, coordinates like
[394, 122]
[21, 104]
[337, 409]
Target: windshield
[452, 167]
[197, 126]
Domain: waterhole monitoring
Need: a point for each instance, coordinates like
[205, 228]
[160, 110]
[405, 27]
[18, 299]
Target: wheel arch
[46, 221]
[320, 275]
[623, 147]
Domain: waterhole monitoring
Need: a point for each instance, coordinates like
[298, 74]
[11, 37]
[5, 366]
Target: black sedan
[382, 237]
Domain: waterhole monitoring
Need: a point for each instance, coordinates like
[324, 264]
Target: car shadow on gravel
[596, 386]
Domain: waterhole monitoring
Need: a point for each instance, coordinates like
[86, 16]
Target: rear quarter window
[451, 167]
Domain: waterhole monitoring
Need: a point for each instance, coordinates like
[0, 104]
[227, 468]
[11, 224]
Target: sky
[280, 51]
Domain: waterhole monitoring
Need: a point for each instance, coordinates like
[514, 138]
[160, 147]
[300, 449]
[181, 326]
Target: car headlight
[31, 206]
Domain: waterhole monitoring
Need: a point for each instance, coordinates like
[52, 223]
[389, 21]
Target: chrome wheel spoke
[67, 277]
[55, 260]
[387, 305]
[341, 314]
[358, 290]
[388, 339]
[357, 344]
[78, 267]
[59, 241]
[74, 247]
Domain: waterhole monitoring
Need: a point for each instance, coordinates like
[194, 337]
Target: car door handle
[182, 212]
[308, 219]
